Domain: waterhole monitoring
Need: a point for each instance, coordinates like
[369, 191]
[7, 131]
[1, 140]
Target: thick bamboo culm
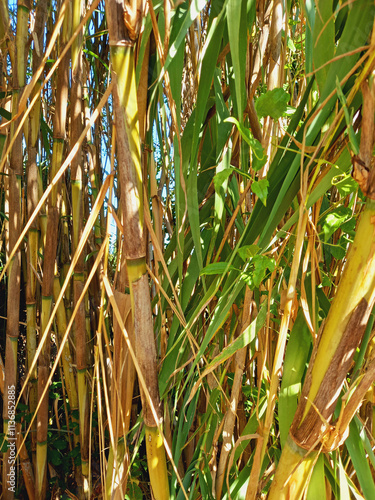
[130, 175]
[311, 431]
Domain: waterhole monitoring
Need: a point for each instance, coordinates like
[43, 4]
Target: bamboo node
[122, 43]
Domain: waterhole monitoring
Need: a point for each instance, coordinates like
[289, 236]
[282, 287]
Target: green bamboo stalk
[32, 201]
[311, 431]
[65, 251]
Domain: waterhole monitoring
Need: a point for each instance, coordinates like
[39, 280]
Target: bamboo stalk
[130, 174]
[342, 333]
[44, 357]
[14, 228]
[32, 201]
[50, 250]
[77, 216]
[123, 378]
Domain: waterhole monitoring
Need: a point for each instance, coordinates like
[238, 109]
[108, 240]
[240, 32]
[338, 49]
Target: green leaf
[273, 103]
[207, 74]
[344, 487]
[5, 113]
[244, 339]
[260, 188]
[338, 251]
[134, 491]
[323, 40]
[190, 15]
[248, 251]
[296, 356]
[348, 118]
[259, 266]
[262, 263]
[54, 456]
[259, 157]
[334, 220]
[3, 444]
[237, 32]
[317, 485]
[354, 444]
[22, 407]
[345, 184]
[222, 112]
[221, 177]
[291, 45]
[216, 268]
[60, 444]
[351, 38]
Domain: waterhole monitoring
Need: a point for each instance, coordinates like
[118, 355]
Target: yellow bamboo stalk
[330, 365]
[130, 172]
[311, 429]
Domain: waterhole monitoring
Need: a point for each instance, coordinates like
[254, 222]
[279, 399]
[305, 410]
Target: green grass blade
[296, 357]
[357, 454]
[323, 41]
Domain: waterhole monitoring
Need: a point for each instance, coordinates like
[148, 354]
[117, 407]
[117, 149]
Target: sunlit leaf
[260, 188]
[216, 268]
[273, 103]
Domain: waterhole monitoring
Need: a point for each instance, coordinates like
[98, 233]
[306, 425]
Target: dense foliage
[177, 209]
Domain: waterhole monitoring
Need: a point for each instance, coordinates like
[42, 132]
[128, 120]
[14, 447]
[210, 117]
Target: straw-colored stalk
[67, 360]
[278, 361]
[231, 413]
[122, 35]
[123, 378]
[12, 330]
[59, 137]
